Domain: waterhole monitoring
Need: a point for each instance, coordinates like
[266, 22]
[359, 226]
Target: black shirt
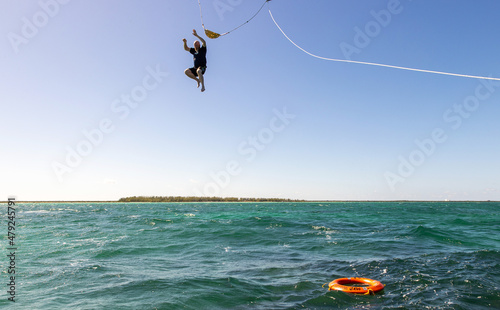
[200, 59]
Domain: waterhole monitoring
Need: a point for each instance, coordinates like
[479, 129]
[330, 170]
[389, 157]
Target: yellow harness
[215, 35]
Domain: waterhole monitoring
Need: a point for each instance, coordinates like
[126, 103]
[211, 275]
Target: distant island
[228, 199]
[201, 199]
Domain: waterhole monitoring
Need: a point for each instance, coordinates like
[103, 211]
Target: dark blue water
[253, 255]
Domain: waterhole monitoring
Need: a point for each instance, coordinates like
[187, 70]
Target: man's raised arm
[203, 42]
[185, 45]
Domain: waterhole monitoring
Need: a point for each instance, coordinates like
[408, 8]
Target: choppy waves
[257, 256]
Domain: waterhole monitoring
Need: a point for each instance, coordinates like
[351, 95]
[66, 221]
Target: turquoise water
[253, 255]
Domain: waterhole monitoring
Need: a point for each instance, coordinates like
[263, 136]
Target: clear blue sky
[273, 122]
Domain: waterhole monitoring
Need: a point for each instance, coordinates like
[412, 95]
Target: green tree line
[200, 199]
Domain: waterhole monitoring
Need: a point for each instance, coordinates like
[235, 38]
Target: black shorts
[193, 70]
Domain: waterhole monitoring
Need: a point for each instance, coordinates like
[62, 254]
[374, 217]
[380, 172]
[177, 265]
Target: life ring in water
[339, 285]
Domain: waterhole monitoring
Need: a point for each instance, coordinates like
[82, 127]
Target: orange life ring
[339, 285]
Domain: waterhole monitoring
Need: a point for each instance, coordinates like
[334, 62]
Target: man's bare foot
[202, 88]
[198, 81]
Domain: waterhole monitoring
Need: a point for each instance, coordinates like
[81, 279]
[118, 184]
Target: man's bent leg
[201, 79]
[190, 74]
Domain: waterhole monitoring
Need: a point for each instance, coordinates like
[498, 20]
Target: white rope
[380, 65]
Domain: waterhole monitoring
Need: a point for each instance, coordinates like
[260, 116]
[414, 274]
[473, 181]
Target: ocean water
[252, 255]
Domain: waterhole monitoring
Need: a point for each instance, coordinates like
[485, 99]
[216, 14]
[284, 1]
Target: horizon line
[244, 200]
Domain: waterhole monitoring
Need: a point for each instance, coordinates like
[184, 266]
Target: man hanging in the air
[200, 60]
